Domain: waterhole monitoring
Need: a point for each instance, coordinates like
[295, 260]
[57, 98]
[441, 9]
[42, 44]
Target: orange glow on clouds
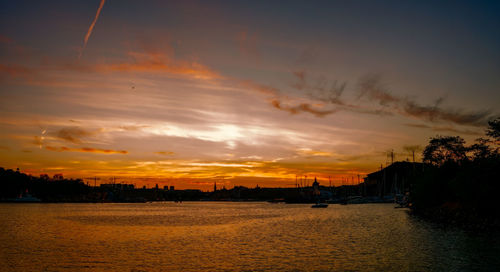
[86, 149]
[161, 63]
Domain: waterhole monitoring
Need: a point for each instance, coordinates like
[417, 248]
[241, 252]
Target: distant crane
[412, 149]
[390, 154]
[95, 180]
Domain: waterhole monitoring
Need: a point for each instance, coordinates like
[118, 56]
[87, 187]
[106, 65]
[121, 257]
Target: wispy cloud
[314, 153]
[161, 63]
[457, 116]
[86, 149]
[373, 92]
[72, 134]
[38, 141]
[372, 88]
[321, 89]
[447, 129]
[132, 127]
[86, 39]
[261, 88]
[165, 153]
[302, 107]
[276, 97]
[2, 147]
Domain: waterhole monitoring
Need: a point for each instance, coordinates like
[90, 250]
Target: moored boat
[25, 198]
[319, 205]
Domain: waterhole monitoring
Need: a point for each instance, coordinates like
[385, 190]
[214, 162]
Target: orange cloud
[145, 61]
[318, 153]
[4, 147]
[165, 153]
[161, 63]
[86, 149]
[38, 141]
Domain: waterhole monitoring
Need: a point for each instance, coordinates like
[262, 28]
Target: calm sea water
[211, 236]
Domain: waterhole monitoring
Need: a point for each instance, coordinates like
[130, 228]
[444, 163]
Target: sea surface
[228, 236]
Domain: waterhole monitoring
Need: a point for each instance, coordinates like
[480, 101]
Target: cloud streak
[86, 149]
[276, 98]
[72, 134]
[446, 129]
[313, 153]
[161, 63]
[86, 39]
[321, 89]
[372, 88]
[165, 153]
[302, 107]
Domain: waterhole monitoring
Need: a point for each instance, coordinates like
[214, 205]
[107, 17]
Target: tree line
[460, 182]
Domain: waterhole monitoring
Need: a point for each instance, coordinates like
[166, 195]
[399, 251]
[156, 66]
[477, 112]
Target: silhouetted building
[117, 186]
[394, 179]
[315, 187]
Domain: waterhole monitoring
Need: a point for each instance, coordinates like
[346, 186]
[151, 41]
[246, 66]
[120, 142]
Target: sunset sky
[190, 93]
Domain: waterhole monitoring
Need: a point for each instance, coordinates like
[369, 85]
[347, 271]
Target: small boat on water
[402, 200]
[25, 198]
[319, 205]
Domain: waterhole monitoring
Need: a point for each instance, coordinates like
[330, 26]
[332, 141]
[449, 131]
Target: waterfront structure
[391, 180]
[117, 186]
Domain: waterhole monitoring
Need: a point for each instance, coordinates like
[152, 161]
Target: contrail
[91, 27]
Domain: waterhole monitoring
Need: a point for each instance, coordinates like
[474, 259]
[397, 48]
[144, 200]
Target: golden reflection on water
[210, 236]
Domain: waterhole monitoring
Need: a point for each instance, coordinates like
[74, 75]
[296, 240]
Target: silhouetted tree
[462, 187]
[493, 129]
[442, 149]
[481, 149]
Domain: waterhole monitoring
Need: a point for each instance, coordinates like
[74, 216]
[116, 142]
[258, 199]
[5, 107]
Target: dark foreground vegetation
[15, 184]
[460, 184]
